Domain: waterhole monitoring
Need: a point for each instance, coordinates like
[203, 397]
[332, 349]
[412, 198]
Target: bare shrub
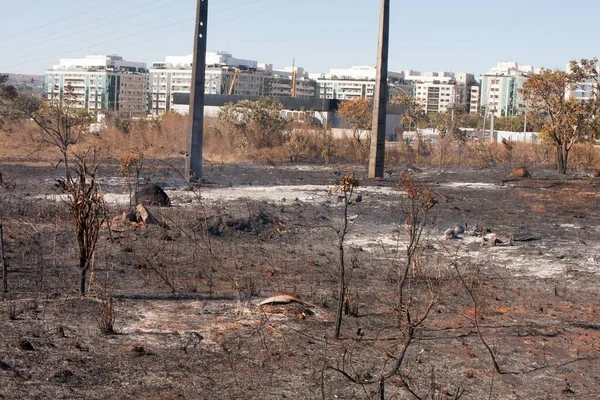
[350, 150]
[220, 141]
[300, 147]
[409, 307]
[11, 310]
[61, 122]
[584, 156]
[86, 205]
[130, 166]
[106, 318]
[345, 188]
[482, 155]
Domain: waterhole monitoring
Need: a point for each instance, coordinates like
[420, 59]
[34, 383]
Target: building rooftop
[108, 62]
[511, 68]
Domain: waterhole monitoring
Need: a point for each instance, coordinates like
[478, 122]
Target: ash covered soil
[186, 291]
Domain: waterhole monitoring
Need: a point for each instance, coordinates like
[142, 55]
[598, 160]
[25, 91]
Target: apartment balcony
[75, 83]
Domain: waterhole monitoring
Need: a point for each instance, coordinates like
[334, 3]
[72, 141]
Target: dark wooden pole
[377, 156]
[4, 263]
[196, 117]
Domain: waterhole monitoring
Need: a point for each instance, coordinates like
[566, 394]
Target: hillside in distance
[27, 83]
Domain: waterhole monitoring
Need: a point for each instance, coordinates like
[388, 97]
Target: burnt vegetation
[281, 279]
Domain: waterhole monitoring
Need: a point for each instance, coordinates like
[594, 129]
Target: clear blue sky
[427, 35]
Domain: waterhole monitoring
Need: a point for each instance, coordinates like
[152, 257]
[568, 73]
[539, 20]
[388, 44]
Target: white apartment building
[467, 89]
[224, 74]
[436, 96]
[279, 83]
[440, 91]
[101, 83]
[501, 88]
[356, 82]
[475, 98]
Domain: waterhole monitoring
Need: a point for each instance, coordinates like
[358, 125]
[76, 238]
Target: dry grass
[580, 197]
[223, 143]
[21, 141]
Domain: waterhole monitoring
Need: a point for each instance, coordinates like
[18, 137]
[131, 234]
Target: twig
[475, 317]
[492, 385]
[165, 278]
[4, 263]
[323, 370]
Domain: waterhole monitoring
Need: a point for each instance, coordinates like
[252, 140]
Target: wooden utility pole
[377, 156]
[193, 165]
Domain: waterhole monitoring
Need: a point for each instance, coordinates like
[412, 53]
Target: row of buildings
[104, 83]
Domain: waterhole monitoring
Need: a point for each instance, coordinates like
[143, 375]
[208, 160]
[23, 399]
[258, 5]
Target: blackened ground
[185, 291]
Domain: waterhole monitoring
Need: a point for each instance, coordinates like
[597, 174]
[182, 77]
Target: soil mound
[286, 303]
[262, 224]
[520, 173]
[153, 195]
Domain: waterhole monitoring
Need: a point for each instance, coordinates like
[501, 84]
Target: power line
[62, 19]
[212, 23]
[257, 12]
[155, 29]
[11, 45]
[98, 44]
[111, 22]
[117, 31]
[28, 7]
[130, 27]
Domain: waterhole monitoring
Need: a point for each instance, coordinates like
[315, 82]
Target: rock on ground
[153, 195]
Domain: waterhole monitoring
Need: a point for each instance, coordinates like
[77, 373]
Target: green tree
[257, 124]
[414, 115]
[470, 120]
[7, 95]
[566, 119]
[450, 123]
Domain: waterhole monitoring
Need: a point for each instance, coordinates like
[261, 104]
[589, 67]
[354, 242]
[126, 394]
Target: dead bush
[220, 141]
[11, 310]
[584, 156]
[348, 149]
[164, 136]
[300, 146]
[106, 320]
[87, 209]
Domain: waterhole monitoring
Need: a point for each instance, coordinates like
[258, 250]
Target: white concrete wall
[526, 137]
